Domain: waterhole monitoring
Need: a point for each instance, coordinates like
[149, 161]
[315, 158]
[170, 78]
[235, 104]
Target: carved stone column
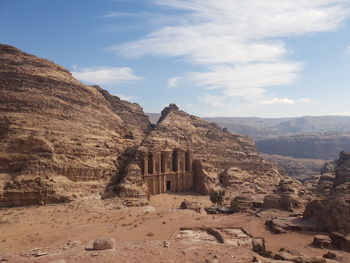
[167, 161]
[145, 164]
[180, 161]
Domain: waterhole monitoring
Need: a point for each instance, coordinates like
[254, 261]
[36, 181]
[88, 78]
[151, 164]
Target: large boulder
[340, 241]
[188, 205]
[322, 241]
[103, 244]
[288, 195]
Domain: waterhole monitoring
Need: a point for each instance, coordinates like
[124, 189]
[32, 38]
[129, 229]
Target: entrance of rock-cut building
[168, 186]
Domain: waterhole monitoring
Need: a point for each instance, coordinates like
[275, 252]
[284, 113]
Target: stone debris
[191, 206]
[330, 255]
[103, 244]
[166, 244]
[283, 225]
[322, 241]
[340, 241]
[297, 257]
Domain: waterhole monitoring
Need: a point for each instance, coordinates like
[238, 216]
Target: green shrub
[217, 196]
[261, 250]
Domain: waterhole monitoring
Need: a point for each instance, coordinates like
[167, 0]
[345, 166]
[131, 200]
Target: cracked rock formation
[214, 151]
[58, 138]
[61, 140]
[333, 212]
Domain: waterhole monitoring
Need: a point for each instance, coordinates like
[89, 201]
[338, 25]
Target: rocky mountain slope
[62, 140]
[332, 209]
[58, 135]
[312, 137]
[215, 151]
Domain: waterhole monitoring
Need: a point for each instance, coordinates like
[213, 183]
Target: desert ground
[63, 232]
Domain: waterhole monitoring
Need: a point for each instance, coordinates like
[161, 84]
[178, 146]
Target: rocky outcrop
[59, 132]
[288, 195]
[333, 211]
[325, 184]
[188, 205]
[322, 241]
[215, 151]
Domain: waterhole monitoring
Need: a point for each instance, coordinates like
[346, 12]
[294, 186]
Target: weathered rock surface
[191, 206]
[58, 136]
[297, 257]
[333, 212]
[283, 225]
[288, 195]
[60, 140]
[215, 151]
[340, 241]
[103, 244]
[322, 241]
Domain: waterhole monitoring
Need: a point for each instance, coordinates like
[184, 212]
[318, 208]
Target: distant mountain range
[259, 128]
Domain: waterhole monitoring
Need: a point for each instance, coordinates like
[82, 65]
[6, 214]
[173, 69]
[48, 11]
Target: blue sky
[271, 58]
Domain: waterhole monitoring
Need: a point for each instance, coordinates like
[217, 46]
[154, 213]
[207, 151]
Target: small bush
[261, 250]
[217, 196]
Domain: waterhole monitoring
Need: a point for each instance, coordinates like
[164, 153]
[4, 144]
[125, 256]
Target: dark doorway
[168, 186]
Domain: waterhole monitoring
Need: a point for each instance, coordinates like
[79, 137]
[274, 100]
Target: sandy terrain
[63, 231]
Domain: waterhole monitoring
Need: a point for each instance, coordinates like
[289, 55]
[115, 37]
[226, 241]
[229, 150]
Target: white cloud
[125, 97]
[173, 82]
[286, 101]
[104, 75]
[213, 100]
[240, 44]
[305, 100]
[247, 80]
[347, 50]
[118, 14]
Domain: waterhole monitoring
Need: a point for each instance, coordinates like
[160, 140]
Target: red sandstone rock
[333, 212]
[56, 134]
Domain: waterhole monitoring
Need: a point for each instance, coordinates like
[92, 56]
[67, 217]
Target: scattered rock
[297, 257]
[191, 206]
[322, 241]
[103, 244]
[340, 241]
[166, 244]
[330, 255]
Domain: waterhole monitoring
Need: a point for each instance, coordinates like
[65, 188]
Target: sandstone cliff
[59, 138]
[215, 152]
[333, 211]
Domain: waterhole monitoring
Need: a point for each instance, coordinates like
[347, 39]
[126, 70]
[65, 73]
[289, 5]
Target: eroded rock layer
[71, 136]
[214, 151]
[333, 211]
[60, 140]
